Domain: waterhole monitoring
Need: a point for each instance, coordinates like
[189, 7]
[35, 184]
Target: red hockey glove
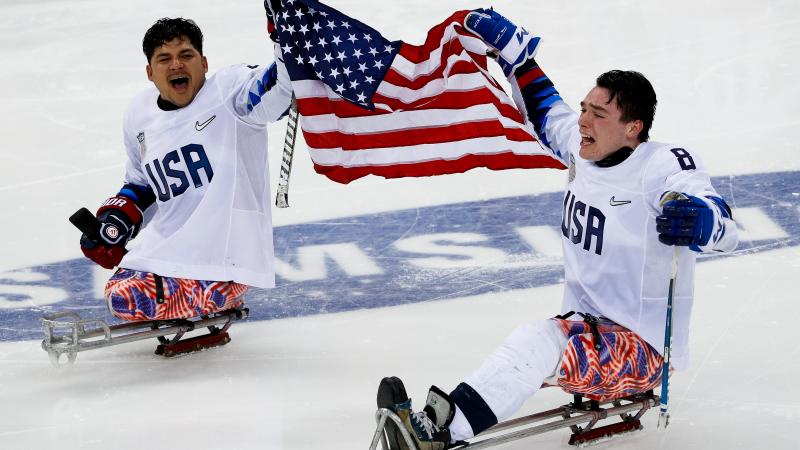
[119, 219]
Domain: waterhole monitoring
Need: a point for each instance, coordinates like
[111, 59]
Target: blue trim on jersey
[267, 82]
[128, 193]
[538, 96]
[547, 92]
[142, 196]
[548, 102]
[546, 141]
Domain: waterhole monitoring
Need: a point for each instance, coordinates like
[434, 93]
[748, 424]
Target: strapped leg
[606, 362]
[134, 296]
[509, 376]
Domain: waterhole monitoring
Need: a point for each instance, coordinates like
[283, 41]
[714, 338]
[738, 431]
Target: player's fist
[118, 221]
[514, 44]
[688, 221]
[106, 257]
[272, 8]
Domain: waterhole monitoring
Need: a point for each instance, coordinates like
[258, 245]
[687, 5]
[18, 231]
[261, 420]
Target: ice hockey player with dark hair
[628, 203]
[196, 183]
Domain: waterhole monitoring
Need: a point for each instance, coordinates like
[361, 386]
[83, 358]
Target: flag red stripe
[458, 100]
[314, 106]
[497, 161]
[420, 53]
[432, 133]
[418, 136]
[459, 67]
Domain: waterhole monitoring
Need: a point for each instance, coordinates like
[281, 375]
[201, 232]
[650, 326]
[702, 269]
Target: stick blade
[84, 220]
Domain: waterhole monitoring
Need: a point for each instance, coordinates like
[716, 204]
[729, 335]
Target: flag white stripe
[412, 70]
[455, 83]
[406, 120]
[424, 152]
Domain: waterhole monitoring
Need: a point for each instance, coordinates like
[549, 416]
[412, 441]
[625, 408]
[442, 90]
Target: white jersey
[614, 264]
[207, 165]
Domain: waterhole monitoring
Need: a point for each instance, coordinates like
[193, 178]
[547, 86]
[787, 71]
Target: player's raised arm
[264, 93]
[535, 95]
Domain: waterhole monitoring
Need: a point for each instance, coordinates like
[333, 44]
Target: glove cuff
[514, 44]
[124, 205]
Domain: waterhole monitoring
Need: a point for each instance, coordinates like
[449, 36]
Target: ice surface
[725, 72]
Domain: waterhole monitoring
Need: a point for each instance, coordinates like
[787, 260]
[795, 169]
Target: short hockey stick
[282, 196]
[663, 417]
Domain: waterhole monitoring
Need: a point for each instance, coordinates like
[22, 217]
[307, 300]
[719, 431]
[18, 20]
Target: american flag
[371, 106]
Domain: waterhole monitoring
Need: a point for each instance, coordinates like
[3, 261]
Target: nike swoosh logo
[615, 202]
[199, 126]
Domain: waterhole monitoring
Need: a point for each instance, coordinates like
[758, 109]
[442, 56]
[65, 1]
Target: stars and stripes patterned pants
[554, 352]
[132, 296]
[623, 364]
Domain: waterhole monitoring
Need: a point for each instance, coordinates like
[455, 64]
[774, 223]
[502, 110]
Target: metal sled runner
[630, 409]
[65, 333]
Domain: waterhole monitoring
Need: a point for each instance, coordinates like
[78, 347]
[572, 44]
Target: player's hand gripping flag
[387, 108]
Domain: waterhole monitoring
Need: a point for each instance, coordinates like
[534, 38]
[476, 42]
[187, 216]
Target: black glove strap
[592, 321]
[159, 288]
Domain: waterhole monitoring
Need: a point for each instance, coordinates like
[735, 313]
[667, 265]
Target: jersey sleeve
[258, 95]
[133, 165]
[675, 169]
[135, 185]
[561, 129]
[555, 123]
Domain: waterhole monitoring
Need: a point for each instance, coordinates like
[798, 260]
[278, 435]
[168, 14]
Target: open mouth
[179, 83]
[586, 139]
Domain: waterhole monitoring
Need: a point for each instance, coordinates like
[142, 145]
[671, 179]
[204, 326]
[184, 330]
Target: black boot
[428, 428]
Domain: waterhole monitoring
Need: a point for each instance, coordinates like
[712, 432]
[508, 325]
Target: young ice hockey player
[619, 228]
[196, 183]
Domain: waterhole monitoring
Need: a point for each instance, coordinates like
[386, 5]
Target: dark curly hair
[635, 97]
[167, 29]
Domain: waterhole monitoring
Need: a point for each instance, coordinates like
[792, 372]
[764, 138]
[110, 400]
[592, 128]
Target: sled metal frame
[571, 415]
[66, 333]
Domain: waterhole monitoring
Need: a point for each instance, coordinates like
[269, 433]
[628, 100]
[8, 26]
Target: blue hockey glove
[686, 222]
[514, 44]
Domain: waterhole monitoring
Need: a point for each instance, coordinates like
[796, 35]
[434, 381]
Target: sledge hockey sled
[66, 333]
[589, 412]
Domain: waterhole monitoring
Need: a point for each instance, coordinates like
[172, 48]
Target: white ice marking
[24, 276]
[544, 240]
[34, 296]
[312, 262]
[431, 244]
[755, 225]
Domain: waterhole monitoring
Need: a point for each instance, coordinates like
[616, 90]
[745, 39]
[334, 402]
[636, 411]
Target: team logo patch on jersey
[571, 168]
[142, 147]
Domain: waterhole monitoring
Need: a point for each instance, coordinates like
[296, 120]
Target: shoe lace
[424, 423]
